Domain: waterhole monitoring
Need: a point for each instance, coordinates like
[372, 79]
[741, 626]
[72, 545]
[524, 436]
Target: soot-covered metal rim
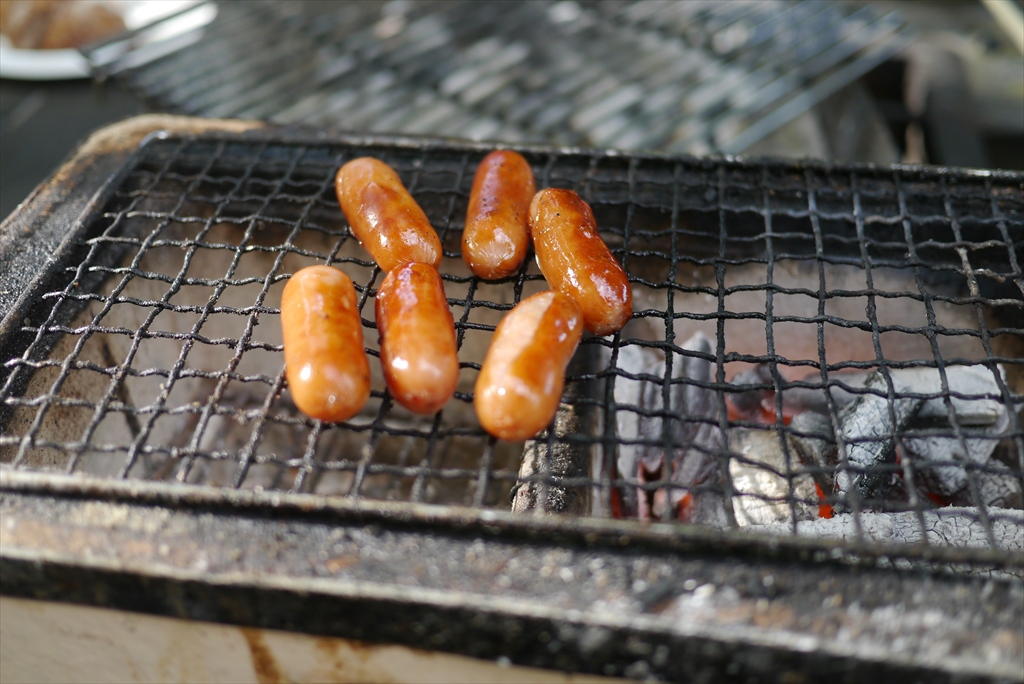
[354, 571]
[548, 528]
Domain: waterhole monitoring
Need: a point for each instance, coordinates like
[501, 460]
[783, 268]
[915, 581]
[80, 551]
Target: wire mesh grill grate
[703, 75]
[757, 287]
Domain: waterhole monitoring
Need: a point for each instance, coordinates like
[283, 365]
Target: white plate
[49, 65]
[40, 65]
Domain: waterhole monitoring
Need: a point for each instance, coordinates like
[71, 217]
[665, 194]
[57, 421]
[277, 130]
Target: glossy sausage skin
[521, 380]
[383, 215]
[325, 360]
[496, 236]
[417, 338]
[575, 261]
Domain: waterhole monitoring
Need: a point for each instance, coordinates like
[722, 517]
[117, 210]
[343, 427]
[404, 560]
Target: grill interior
[156, 352]
[704, 76]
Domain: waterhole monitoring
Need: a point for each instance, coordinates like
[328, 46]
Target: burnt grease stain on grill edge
[657, 216]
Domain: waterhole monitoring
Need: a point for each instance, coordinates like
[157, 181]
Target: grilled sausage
[325, 361]
[417, 347]
[521, 380]
[383, 215]
[496, 236]
[576, 261]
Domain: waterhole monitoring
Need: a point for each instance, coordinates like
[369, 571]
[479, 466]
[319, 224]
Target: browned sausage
[575, 261]
[383, 215]
[417, 347]
[521, 380]
[325, 362]
[496, 236]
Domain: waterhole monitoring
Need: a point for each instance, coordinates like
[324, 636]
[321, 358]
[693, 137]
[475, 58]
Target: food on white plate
[384, 217]
[418, 349]
[57, 24]
[326, 365]
[576, 261]
[496, 236]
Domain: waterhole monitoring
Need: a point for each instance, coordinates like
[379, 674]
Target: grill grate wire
[705, 76]
[86, 395]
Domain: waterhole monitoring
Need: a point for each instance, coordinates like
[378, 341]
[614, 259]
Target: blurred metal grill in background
[141, 353]
[673, 76]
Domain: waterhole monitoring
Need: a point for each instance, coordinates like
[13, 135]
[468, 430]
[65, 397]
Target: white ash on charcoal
[769, 483]
[815, 446]
[680, 451]
[973, 392]
[813, 441]
[759, 393]
[946, 461]
[952, 460]
[869, 426]
[960, 527]
[997, 485]
[960, 468]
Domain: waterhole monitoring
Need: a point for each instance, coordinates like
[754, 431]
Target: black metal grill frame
[793, 571]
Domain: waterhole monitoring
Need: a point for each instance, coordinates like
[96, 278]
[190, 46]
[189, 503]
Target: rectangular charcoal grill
[143, 407]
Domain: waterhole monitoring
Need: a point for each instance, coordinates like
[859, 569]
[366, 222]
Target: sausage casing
[496, 236]
[521, 380]
[417, 338]
[383, 215]
[325, 361]
[576, 261]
